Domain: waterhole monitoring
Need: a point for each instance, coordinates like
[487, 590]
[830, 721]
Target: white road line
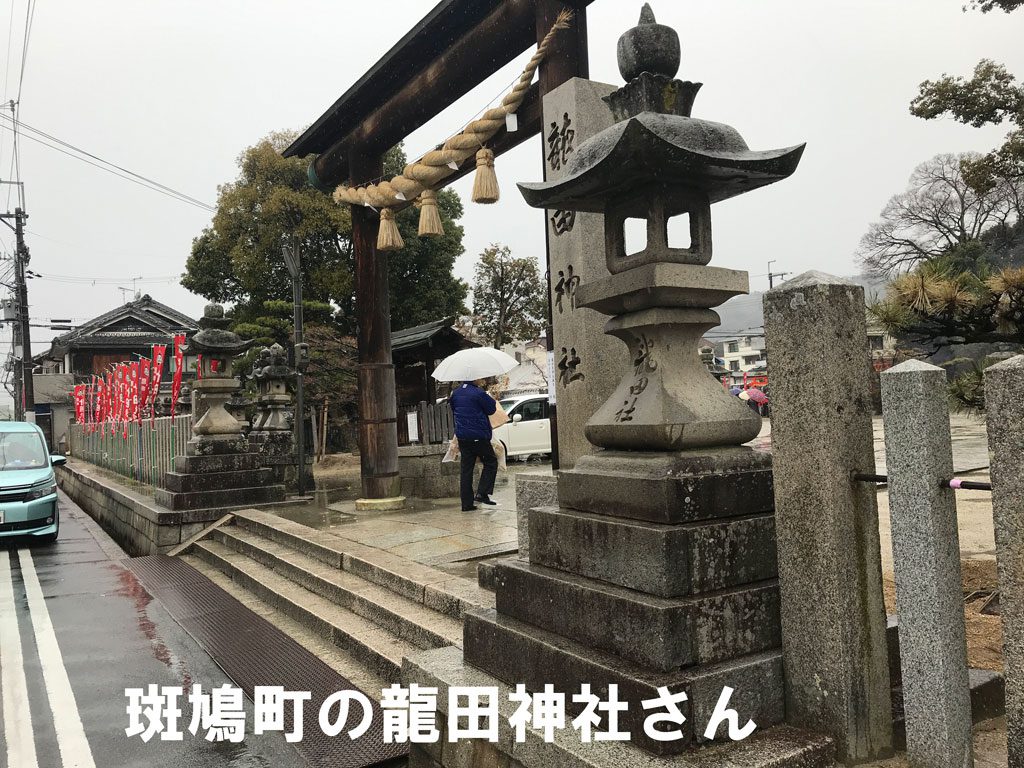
[67, 722]
[21, 747]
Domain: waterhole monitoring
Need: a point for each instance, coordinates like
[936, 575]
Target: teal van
[28, 488]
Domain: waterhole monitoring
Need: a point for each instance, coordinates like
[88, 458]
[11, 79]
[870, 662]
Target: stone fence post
[926, 555]
[830, 573]
[1004, 406]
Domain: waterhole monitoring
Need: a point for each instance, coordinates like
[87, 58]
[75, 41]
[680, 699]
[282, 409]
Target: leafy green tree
[938, 304]
[991, 96]
[237, 259]
[509, 297]
[331, 374]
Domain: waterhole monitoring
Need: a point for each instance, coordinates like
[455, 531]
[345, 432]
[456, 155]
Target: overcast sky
[176, 89]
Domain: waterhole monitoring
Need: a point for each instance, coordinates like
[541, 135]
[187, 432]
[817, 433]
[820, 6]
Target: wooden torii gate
[454, 48]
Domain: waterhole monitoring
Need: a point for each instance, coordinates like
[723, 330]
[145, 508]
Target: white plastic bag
[499, 451]
[453, 451]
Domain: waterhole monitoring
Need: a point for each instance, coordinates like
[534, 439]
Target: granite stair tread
[404, 617]
[366, 641]
[342, 662]
[434, 588]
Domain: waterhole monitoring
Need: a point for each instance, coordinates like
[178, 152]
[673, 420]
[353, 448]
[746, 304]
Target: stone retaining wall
[423, 474]
[132, 519]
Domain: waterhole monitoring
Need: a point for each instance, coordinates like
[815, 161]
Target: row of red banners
[120, 396]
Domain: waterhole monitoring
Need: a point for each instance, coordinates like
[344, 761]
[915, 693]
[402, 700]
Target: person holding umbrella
[473, 407]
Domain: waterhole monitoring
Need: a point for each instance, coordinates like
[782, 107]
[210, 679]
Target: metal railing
[144, 454]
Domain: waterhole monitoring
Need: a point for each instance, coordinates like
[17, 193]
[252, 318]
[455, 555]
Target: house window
[751, 359]
[734, 365]
[734, 346]
[875, 342]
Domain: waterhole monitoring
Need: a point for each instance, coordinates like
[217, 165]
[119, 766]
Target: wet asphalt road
[63, 701]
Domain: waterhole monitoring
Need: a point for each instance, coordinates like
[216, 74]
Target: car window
[506, 405]
[22, 450]
[532, 410]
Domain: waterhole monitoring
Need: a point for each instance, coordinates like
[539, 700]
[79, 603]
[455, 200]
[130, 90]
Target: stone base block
[516, 652]
[443, 668]
[224, 497]
[532, 491]
[381, 505]
[216, 445]
[663, 560]
[196, 465]
[178, 482]
[651, 631]
[677, 487]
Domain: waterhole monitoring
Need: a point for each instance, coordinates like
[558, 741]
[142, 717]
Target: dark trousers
[470, 450]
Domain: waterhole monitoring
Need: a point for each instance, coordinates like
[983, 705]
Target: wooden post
[378, 429]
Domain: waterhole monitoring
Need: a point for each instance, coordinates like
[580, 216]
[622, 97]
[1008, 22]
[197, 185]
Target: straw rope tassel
[430, 218]
[485, 185]
[433, 167]
[389, 238]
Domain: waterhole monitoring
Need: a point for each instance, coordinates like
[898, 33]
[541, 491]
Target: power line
[106, 280]
[7, 59]
[127, 175]
[30, 14]
[63, 143]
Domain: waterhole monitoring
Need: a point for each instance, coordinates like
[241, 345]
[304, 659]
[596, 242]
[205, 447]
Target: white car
[529, 428]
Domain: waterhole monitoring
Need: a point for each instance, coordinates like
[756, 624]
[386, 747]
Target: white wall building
[742, 354]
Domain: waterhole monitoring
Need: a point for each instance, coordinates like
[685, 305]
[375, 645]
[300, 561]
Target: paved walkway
[970, 443]
[76, 630]
[436, 532]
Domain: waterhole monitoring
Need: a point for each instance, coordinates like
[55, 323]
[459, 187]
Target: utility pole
[773, 275]
[293, 260]
[24, 393]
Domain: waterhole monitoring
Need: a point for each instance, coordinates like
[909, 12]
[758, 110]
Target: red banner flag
[156, 374]
[99, 414]
[179, 363]
[79, 395]
[125, 369]
[108, 388]
[143, 387]
[136, 400]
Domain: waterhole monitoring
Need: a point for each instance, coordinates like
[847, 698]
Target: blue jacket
[471, 406]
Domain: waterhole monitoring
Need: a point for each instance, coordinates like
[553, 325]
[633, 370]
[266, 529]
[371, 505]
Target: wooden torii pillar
[484, 42]
[378, 408]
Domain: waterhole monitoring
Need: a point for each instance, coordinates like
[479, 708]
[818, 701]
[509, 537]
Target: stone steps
[373, 607]
[371, 645]
[435, 589]
[342, 662]
[402, 617]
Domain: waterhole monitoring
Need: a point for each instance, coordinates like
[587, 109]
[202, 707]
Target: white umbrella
[475, 363]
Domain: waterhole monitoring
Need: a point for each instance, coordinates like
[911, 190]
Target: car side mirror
[517, 418]
[58, 461]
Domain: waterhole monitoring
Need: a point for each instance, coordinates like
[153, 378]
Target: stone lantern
[219, 470]
[274, 379]
[214, 429]
[657, 571]
[657, 163]
[272, 434]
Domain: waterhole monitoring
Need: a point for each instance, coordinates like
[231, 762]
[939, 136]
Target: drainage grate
[252, 651]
